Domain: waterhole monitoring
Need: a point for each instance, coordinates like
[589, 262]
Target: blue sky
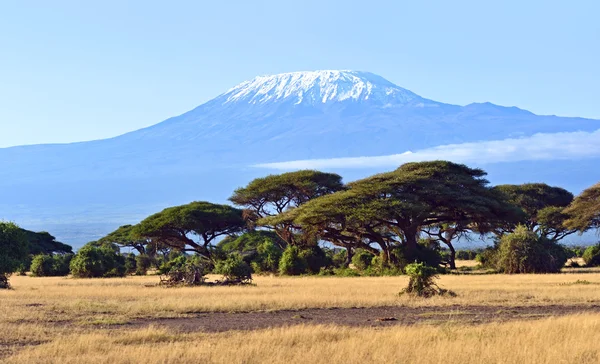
[81, 70]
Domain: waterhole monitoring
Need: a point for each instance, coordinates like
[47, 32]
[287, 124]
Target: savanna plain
[494, 318]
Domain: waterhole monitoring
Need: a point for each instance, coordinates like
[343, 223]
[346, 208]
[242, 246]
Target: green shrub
[292, 263]
[523, 251]
[421, 281]
[487, 258]
[315, 258]
[234, 269]
[362, 259]
[591, 256]
[46, 265]
[142, 264]
[428, 252]
[13, 251]
[466, 254]
[266, 258]
[184, 270]
[92, 261]
[130, 263]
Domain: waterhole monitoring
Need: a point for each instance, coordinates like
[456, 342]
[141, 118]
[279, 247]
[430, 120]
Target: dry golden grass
[122, 299]
[572, 339]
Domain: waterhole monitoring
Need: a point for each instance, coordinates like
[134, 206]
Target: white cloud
[556, 146]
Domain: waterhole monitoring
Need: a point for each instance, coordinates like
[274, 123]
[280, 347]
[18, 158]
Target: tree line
[309, 221]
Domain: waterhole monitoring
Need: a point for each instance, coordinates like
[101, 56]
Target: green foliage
[466, 254]
[523, 251]
[584, 211]
[207, 221]
[591, 256]
[234, 269]
[184, 270]
[142, 264]
[267, 257]
[125, 236]
[272, 195]
[362, 259]
[487, 258]
[46, 265]
[93, 261]
[542, 208]
[249, 241]
[421, 281]
[44, 243]
[315, 258]
[13, 250]
[292, 263]
[130, 263]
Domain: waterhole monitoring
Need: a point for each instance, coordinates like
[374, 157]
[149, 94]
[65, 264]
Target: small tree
[234, 269]
[292, 263]
[92, 262]
[362, 259]
[13, 251]
[142, 264]
[523, 251]
[421, 281]
[591, 255]
[184, 270]
[50, 265]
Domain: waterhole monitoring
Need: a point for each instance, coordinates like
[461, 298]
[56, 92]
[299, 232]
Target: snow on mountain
[319, 87]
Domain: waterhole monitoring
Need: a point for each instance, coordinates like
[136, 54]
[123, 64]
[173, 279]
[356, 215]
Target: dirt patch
[362, 317]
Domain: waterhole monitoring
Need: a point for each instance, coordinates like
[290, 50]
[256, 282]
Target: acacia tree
[542, 209]
[192, 227]
[13, 250]
[584, 212]
[424, 194]
[335, 218]
[394, 208]
[272, 195]
[124, 236]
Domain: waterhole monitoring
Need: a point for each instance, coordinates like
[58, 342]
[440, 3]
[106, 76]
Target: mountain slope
[206, 152]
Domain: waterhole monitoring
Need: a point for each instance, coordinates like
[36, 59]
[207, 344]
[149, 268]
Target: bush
[234, 269]
[130, 263]
[421, 281]
[92, 262]
[315, 258]
[466, 254]
[523, 251]
[142, 264]
[292, 263]
[591, 256]
[362, 259]
[46, 265]
[184, 270]
[13, 251]
[428, 252]
[266, 258]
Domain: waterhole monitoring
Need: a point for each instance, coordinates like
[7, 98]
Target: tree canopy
[274, 194]
[192, 227]
[584, 211]
[44, 243]
[542, 208]
[392, 209]
[124, 236]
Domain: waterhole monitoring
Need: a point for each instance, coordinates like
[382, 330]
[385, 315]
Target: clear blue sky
[81, 70]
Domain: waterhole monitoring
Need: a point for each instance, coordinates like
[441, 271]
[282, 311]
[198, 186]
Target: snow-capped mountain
[208, 151]
[320, 87]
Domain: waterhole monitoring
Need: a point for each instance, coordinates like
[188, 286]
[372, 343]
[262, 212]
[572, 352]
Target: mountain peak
[315, 87]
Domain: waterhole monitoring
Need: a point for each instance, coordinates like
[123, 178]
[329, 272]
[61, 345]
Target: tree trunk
[349, 254]
[411, 245]
[452, 256]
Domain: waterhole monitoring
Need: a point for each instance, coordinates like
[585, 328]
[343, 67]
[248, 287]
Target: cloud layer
[556, 146]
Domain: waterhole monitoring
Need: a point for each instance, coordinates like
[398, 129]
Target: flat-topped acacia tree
[392, 209]
[542, 209]
[274, 194]
[192, 227]
[584, 212]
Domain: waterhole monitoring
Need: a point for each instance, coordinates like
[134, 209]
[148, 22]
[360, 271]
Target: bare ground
[361, 317]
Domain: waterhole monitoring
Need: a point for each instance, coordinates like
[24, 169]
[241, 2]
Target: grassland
[101, 321]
